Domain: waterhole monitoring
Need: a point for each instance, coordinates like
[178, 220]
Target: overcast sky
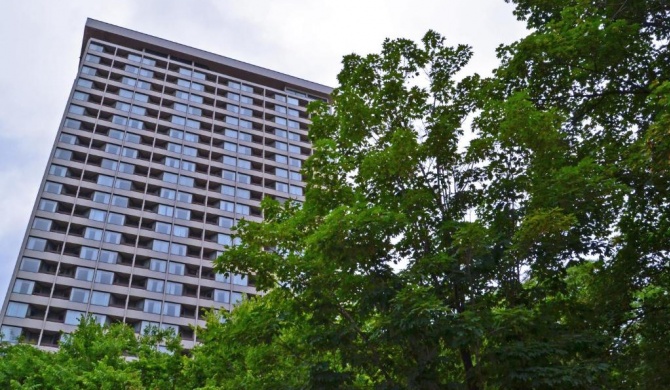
[40, 41]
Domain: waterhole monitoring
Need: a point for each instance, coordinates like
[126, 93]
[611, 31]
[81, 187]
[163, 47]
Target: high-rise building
[161, 150]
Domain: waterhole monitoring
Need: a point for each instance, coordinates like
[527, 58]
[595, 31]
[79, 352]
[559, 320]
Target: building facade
[161, 150]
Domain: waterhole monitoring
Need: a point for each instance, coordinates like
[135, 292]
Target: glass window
[112, 149]
[293, 112]
[191, 137]
[155, 285]
[85, 274]
[125, 93]
[42, 224]
[17, 309]
[228, 175]
[229, 160]
[223, 278]
[130, 153]
[293, 124]
[178, 249]
[160, 246]
[72, 317]
[282, 187]
[246, 100]
[242, 178]
[242, 209]
[173, 147]
[280, 158]
[146, 73]
[22, 286]
[69, 138]
[227, 206]
[163, 228]
[97, 215]
[36, 244]
[63, 154]
[184, 197]
[80, 96]
[244, 194]
[182, 214]
[48, 205]
[10, 334]
[230, 133]
[85, 83]
[140, 97]
[100, 298]
[180, 231]
[109, 164]
[30, 265]
[172, 309]
[281, 145]
[116, 219]
[226, 222]
[79, 295]
[112, 237]
[151, 306]
[188, 151]
[158, 265]
[280, 98]
[171, 162]
[96, 47]
[240, 279]
[88, 253]
[245, 164]
[230, 147]
[224, 239]
[167, 193]
[234, 85]
[222, 296]
[293, 136]
[295, 190]
[186, 181]
[120, 201]
[245, 150]
[228, 190]
[123, 184]
[126, 168]
[168, 211]
[294, 162]
[173, 288]
[57, 170]
[296, 176]
[105, 180]
[133, 138]
[281, 133]
[92, 58]
[108, 257]
[197, 86]
[245, 136]
[246, 111]
[184, 83]
[235, 298]
[246, 124]
[294, 149]
[170, 177]
[104, 277]
[293, 101]
[176, 268]
[93, 234]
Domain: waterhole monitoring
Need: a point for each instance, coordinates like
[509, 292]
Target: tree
[532, 254]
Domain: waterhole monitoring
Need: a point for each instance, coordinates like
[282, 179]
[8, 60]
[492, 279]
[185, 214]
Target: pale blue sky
[40, 42]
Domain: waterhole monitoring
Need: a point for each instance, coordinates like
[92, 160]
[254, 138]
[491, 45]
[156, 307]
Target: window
[123, 184]
[296, 176]
[293, 136]
[226, 222]
[48, 205]
[116, 219]
[242, 193]
[173, 288]
[92, 58]
[69, 138]
[178, 249]
[223, 278]
[133, 138]
[22, 286]
[85, 274]
[281, 145]
[184, 197]
[242, 178]
[235, 298]
[108, 257]
[109, 164]
[53, 188]
[131, 153]
[280, 120]
[240, 279]
[155, 285]
[97, 215]
[158, 265]
[88, 253]
[30, 265]
[282, 187]
[293, 101]
[176, 268]
[228, 190]
[85, 83]
[172, 163]
[63, 154]
[36, 244]
[186, 181]
[246, 100]
[160, 246]
[121, 120]
[151, 306]
[188, 151]
[281, 133]
[180, 231]
[17, 309]
[294, 162]
[222, 296]
[113, 149]
[57, 170]
[120, 201]
[79, 295]
[246, 111]
[242, 209]
[126, 168]
[293, 124]
[93, 234]
[182, 214]
[280, 98]
[168, 211]
[224, 239]
[101, 197]
[163, 228]
[280, 158]
[96, 47]
[80, 95]
[112, 237]
[295, 190]
[106, 181]
[293, 112]
[294, 149]
[190, 137]
[227, 206]
[244, 164]
[72, 317]
[104, 277]
[42, 224]
[172, 309]
[100, 298]
[244, 150]
[10, 334]
[232, 121]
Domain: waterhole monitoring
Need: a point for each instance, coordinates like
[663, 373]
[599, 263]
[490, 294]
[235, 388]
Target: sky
[40, 41]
